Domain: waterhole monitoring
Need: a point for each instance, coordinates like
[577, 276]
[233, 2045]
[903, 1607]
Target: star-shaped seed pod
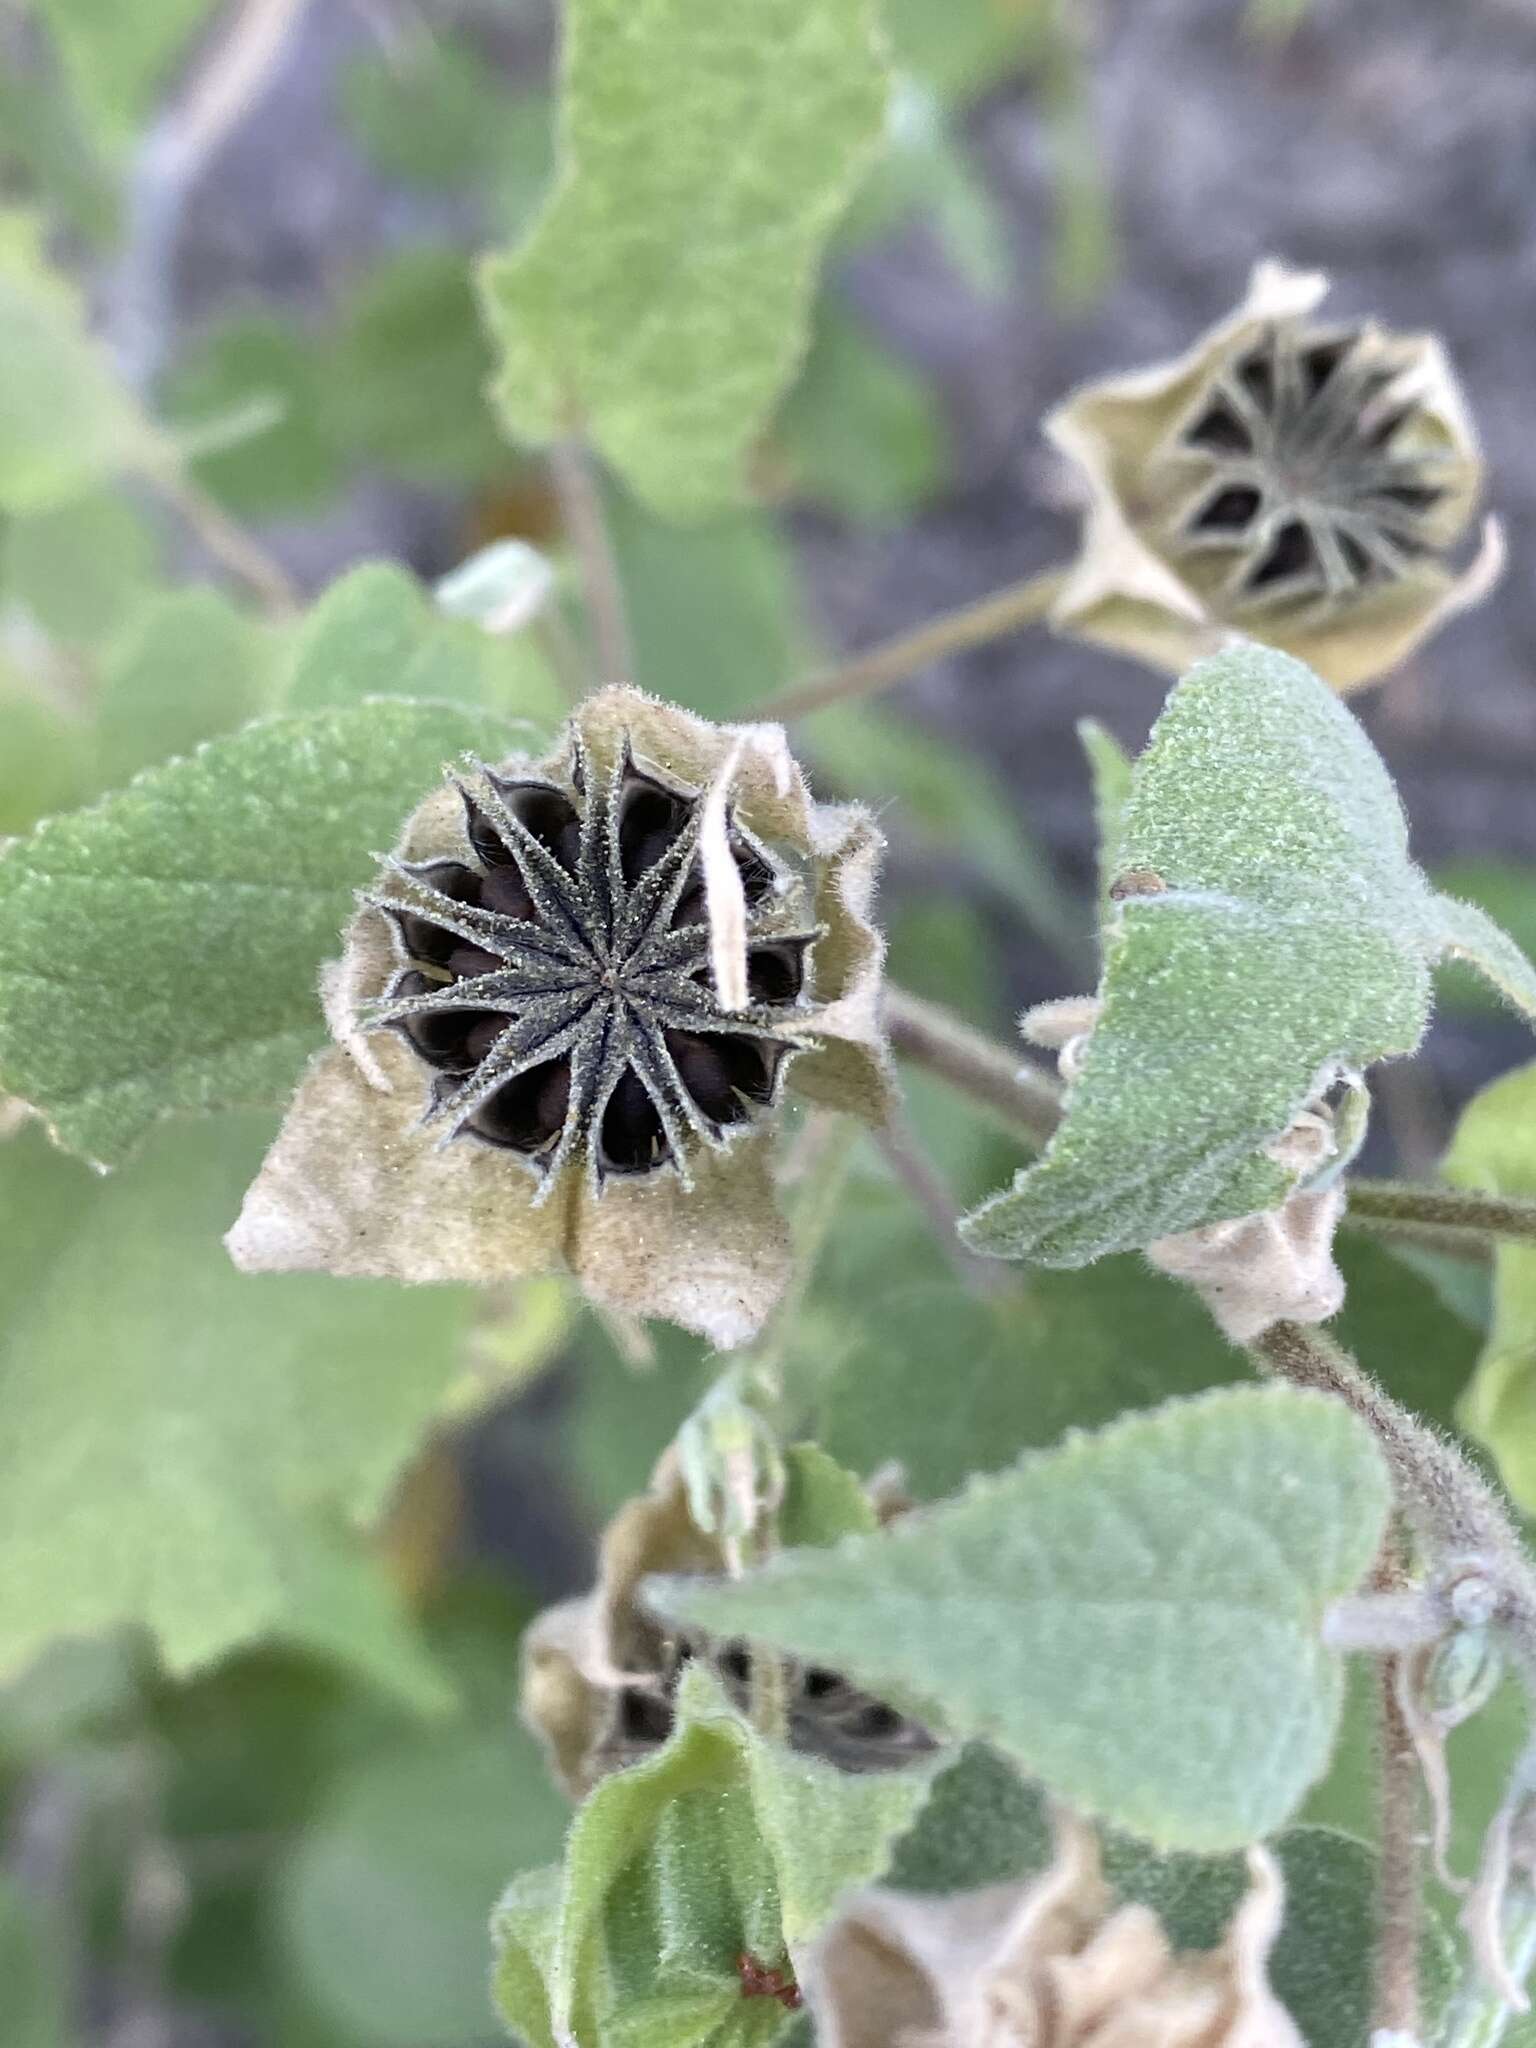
[1055, 1963]
[564, 1021]
[1306, 483]
[600, 1672]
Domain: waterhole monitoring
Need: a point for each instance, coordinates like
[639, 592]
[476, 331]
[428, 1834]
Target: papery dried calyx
[566, 1015]
[1276, 1265]
[599, 1672]
[1055, 1963]
[1307, 483]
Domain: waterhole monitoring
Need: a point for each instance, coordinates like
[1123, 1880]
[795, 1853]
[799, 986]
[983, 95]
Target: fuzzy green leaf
[863, 433]
[716, 611]
[182, 1447]
[1466, 932]
[45, 762]
[189, 668]
[1135, 1616]
[1109, 766]
[119, 59]
[948, 800]
[983, 1824]
[822, 1502]
[35, 1991]
[1292, 937]
[376, 633]
[383, 1903]
[662, 296]
[81, 569]
[721, 1845]
[65, 421]
[160, 950]
[1494, 1151]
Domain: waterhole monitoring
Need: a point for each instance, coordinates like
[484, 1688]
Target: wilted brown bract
[1056, 1963]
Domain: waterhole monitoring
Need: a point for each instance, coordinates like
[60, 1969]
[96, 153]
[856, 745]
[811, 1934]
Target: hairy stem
[1021, 604]
[1386, 1202]
[581, 511]
[1396, 2004]
[814, 1184]
[1450, 1507]
[1022, 1097]
[562, 652]
[923, 1181]
[226, 540]
[1471, 1246]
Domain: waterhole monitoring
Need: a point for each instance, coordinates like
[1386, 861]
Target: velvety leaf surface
[384, 1903]
[65, 422]
[1273, 931]
[662, 295]
[949, 1385]
[189, 668]
[46, 761]
[118, 59]
[35, 1991]
[178, 927]
[1134, 1616]
[720, 1845]
[1494, 1151]
[184, 1447]
[1109, 769]
[83, 568]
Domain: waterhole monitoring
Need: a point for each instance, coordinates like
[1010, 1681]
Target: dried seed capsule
[1304, 484]
[599, 1672]
[534, 1065]
[1057, 1962]
[594, 1023]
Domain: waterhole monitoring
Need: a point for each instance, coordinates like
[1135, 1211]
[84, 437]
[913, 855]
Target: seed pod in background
[565, 1019]
[599, 1672]
[1308, 484]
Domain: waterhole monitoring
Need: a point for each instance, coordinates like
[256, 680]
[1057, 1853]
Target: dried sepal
[600, 1672]
[535, 1064]
[1055, 1963]
[1276, 1265]
[1306, 483]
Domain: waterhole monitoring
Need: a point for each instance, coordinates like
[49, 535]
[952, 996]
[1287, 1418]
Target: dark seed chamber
[556, 983]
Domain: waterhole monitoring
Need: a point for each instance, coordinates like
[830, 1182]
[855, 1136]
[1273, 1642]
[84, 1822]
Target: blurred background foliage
[286, 1825]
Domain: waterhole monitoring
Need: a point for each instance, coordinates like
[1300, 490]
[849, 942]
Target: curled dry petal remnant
[599, 1672]
[1307, 483]
[561, 1037]
[1250, 1271]
[1056, 1963]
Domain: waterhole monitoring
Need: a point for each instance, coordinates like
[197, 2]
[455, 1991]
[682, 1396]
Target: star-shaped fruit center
[1315, 480]
[557, 981]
